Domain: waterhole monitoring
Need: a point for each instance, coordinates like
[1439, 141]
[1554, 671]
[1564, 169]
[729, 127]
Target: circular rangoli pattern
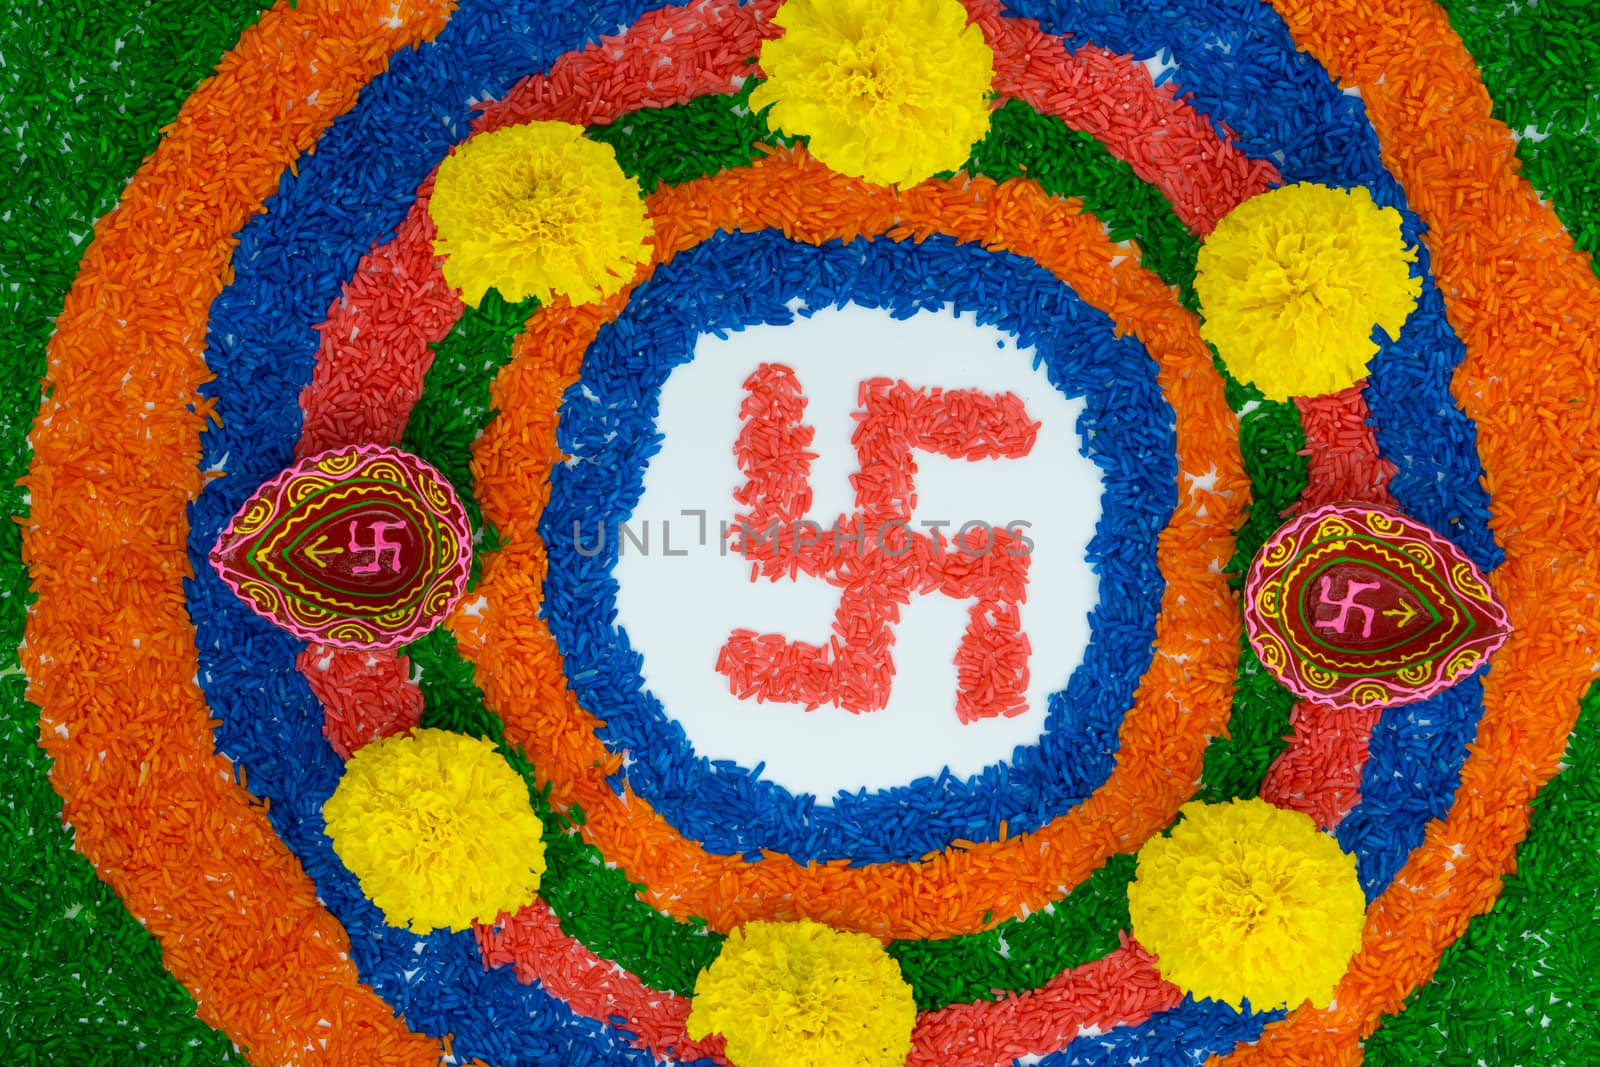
[267, 318]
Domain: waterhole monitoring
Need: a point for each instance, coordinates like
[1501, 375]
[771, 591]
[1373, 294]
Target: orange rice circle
[191, 852]
[1183, 700]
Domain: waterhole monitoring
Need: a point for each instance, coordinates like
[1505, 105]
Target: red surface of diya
[358, 547]
[1356, 605]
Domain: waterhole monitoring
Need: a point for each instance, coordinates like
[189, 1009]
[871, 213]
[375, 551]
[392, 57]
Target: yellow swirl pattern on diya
[1333, 527]
[1380, 523]
[1369, 694]
[1318, 677]
[446, 551]
[367, 544]
[439, 599]
[1462, 663]
[436, 497]
[1417, 674]
[264, 596]
[1465, 580]
[384, 471]
[1357, 604]
[302, 489]
[348, 630]
[1280, 553]
[339, 464]
[1423, 555]
[308, 614]
[257, 516]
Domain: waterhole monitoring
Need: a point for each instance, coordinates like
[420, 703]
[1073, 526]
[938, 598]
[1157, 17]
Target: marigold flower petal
[538, 209]
[802, 994]
[1245, 900]
[438, 828]
[893, 91]
[1294, 282]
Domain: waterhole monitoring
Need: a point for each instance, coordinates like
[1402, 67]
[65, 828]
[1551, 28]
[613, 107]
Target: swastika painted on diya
[359, 547]
[1355, 605]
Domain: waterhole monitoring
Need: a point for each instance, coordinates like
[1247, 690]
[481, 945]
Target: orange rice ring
[129, 732]
[1182, 701]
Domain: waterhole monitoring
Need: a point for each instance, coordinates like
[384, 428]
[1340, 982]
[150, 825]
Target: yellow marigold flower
[892, 91]
[802, 994]
[535, 209]
[438, 828]
[1245, 899]
[1293, 282]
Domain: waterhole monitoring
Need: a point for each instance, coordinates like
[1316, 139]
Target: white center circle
[682, 590]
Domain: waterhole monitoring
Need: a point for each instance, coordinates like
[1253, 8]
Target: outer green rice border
[84, 91]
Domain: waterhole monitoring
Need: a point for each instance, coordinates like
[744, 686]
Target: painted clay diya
[358, 547]
[1356, 605]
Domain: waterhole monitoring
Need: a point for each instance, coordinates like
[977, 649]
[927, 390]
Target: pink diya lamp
[363, 546]
[1357, 605]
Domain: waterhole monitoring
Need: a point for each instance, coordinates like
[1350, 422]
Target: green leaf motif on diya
[363, 547]
[1366, 609]
[1359, 605]
[357, 546]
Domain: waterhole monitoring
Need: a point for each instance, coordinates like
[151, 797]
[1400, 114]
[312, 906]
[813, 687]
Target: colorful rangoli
[338, 532]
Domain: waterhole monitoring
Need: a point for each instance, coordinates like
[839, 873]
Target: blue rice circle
[607, 427]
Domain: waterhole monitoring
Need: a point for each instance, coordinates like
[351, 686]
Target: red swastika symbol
[873, 556]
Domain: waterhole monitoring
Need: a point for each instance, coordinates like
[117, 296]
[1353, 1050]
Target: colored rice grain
[1169, 144]
[543, 949]
[454, 405]
[374, 350]
[685, 880]
[1518, 986]
[1488, 230]
[606, 428]
[1178, 1013]
[597, 907]
[669, 55]
[364, 695]
[1119, 989]
[532, 942]
[1320, 771]
[595, 904]
[987, 969]
[376, 346]
[81, 981]
[138, 710]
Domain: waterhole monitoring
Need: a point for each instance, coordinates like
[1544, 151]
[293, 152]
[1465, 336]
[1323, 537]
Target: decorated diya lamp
[1357, 605]
[364, 546]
